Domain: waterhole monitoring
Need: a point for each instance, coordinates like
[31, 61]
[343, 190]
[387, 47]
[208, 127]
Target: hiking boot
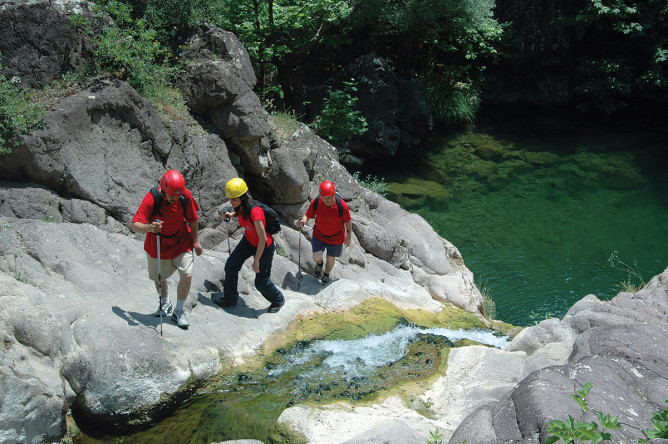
[275, 306]
[318, 269]
[325, 279]
[179, 316]
[166, 309]
[220, 301]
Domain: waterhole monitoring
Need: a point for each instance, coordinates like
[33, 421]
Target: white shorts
[183, 263]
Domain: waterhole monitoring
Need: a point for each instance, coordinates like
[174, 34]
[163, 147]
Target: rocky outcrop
[618, 346]
[39, 42]
[219, 85]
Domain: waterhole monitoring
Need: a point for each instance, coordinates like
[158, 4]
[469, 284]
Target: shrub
[570, 432]
[632, 271]
[373, 183]
[18, 115]
[339, 120]
[660, 422]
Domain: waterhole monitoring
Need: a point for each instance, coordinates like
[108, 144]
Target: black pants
[263, 282]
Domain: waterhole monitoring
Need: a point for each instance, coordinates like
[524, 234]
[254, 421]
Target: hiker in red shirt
[257, 243]
[333, 228]
[170, 211]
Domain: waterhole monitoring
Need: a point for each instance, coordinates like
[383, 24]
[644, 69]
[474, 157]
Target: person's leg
[185, 264]
[318, 247]
[263, 280]
[330, 264]
[241, 252]
[166, 270]
[165, 296]
[333, 251]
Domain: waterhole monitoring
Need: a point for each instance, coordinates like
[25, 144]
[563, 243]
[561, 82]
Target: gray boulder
[107, 146]
[219, 84]
[619, 346]
[39, 42]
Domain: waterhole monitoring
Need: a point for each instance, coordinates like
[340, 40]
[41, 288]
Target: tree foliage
[625, 52]
[599, 55]
[340, 120]
[446, 43]
[280, 34]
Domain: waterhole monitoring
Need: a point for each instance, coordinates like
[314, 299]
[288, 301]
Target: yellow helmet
[235, 188]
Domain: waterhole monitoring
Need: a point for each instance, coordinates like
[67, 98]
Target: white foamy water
[358, 357]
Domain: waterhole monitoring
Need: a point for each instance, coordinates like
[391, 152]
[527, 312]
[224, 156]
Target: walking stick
[299, 263]
[157, 236]
[229, 249]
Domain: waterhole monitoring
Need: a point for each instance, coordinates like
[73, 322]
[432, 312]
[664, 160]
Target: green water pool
[537, 218]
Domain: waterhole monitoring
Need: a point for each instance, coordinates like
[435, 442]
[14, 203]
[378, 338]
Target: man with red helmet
[332, 229]
[170, 211]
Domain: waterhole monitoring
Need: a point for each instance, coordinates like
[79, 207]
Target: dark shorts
[333, 250]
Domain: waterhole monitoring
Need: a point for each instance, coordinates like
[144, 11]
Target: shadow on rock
[133, 318]
[308, 285]
[241, 309]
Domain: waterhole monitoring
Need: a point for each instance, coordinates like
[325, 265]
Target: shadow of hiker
[210, 286]
[309, 285]
[134, 319]
[241, 309]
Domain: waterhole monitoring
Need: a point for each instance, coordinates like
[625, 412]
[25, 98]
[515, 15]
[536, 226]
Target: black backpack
[157, 200]
[273, 220]
[316, 201]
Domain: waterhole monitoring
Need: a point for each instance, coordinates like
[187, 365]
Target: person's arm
[142, 228]
[302, 221]
[262, 235]
[194, 231]
[140, 220]
[349, 232]
[228, 215]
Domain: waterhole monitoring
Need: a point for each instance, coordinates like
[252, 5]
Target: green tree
[280, 35]
[446, 43]
[625, 52]
[598, 55]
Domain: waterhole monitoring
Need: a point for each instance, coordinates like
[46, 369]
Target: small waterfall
[361, 357]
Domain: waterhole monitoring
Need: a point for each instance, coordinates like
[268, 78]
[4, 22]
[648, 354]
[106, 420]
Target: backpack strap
[316, 201]
[157, 201]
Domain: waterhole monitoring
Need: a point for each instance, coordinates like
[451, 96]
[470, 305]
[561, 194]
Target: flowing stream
[538, 218]
[247, 405]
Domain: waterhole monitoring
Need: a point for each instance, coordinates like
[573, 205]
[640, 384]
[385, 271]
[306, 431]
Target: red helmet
[173, 183]
[327, 189]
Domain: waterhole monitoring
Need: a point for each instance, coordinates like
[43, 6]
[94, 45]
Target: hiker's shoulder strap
[316, 201]
[184, 203]
[338, 204]
[157, 200]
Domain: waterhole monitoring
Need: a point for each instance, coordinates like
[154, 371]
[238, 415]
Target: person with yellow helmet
[332, 229]
[256, 243]
[170, 211]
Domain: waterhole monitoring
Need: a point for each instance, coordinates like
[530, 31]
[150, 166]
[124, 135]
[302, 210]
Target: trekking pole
[299, 260]
[229, 249]
[157, 236]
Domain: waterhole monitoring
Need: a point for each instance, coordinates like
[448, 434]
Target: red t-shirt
[329, 227]
[176, 238]
[257, 213]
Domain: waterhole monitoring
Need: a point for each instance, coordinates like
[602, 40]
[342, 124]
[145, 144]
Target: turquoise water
[537, 218]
